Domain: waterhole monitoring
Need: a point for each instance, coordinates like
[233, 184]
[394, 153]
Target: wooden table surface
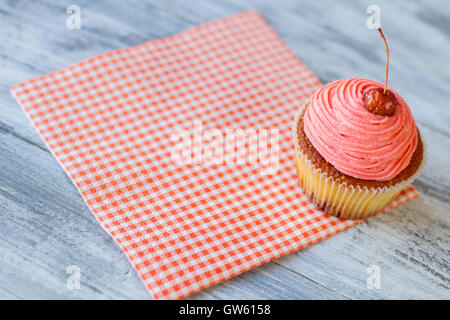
[45, 225]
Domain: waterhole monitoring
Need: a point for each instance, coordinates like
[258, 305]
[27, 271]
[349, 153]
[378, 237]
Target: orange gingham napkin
[108, 121]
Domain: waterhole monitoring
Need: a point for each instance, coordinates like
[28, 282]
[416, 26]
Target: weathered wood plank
[410, 246]
[50, 220]
[268, 281]
[6, 295]
[35, 45]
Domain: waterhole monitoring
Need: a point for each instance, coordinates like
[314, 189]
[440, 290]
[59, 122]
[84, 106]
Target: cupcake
[357, 146]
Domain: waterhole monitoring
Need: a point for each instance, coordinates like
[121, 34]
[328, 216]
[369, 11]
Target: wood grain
[46, 226]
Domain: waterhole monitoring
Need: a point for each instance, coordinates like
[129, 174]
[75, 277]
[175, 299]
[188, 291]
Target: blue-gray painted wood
[45, 225]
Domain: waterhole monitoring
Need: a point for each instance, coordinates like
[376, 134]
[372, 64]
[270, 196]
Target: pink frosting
[356, 142]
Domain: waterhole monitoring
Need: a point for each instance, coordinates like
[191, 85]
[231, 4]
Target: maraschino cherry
[381, 101]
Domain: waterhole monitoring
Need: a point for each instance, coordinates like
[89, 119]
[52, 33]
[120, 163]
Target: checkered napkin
[109, 120]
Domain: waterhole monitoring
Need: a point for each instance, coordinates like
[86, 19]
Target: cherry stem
[387, 60]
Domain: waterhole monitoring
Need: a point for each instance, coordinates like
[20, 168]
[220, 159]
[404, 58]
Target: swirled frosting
[356, 142]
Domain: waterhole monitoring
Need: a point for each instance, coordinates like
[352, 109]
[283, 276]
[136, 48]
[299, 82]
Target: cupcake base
[344, 196]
